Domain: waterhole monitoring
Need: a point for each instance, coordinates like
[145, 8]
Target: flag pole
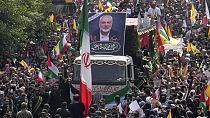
[191, 82]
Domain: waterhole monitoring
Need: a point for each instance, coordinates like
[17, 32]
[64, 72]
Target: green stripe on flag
[51, 74]
[61, 45]
[204, 108]
[121, 93]
[83, 23]
[164, 34]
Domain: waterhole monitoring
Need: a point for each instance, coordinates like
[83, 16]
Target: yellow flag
[51, 18]
[188, 47]
[100, 6]
[181, 70]
[108, 6]
[194, 49]
[169, 32]
[74, 25]
[193, 14]
[58, 27]
[165, 27]
[207, 91]
[31, 70]
[209, 104]
[191, 47]
[108, 10]
[63, 24]
[24, 64]
[185, 70]
[68, 1]
[171, 72]
[169, 115]
[209, 33]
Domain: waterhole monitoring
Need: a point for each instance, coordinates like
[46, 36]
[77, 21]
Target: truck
[110, 74]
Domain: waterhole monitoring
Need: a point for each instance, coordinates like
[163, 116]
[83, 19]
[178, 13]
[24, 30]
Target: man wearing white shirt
[154, 12]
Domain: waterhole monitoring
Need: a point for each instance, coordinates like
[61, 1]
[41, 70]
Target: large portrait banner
[107, 33]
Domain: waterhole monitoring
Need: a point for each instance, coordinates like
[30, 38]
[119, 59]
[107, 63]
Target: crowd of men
[178, 85]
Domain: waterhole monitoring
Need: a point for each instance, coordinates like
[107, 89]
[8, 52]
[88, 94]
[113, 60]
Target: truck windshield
[104, 74]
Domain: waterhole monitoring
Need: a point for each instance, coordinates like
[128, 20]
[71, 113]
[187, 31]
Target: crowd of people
[178, 86]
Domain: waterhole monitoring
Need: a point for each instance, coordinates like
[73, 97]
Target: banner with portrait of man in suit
[107, 33]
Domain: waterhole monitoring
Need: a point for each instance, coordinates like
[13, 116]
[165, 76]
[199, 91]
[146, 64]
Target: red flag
[144, 40]
[156, 94]
[126, 110]
[204, 20]
[45, 47]
[69, 37]
[160, 43]
[201, 2]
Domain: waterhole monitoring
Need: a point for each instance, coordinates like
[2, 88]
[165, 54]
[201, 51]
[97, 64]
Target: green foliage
[22, 21]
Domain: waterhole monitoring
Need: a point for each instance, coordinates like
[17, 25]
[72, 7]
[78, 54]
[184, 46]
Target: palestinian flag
[164, 37]
[62, 46]
[52, 69]
[40, 78]
[85, 74]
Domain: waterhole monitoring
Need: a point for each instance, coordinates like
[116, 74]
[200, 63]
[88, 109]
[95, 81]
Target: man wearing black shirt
[76, 108]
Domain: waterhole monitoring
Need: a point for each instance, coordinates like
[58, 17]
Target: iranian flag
[40, 78]
[156, 94]
[52, 69]
[62, 46]
[203, 99]
[86, 77]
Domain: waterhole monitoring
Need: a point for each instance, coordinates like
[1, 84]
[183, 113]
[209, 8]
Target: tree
[22, 21]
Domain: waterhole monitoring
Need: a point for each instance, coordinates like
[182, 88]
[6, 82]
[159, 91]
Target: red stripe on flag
[48, 60]
[87, 99]
[69, 37]
[66, 47]
[40, 80]
[144, 40]
[60, 56]
[160, 43]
